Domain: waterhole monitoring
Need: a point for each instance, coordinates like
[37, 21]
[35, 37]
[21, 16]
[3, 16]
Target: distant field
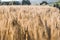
[29, 23]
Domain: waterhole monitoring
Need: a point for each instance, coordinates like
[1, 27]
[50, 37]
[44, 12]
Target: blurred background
[55, 3]
[33, 2]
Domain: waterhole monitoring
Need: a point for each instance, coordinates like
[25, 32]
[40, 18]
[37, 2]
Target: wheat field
[29, 23]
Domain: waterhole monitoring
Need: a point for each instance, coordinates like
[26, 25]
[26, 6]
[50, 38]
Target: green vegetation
[57, 2]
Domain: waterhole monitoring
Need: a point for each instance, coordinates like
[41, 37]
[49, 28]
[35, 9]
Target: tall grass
[29, 23]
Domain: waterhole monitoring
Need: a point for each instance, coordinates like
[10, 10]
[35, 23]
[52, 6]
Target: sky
[34, 1]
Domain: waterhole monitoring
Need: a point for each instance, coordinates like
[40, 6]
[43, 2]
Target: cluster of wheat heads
[29, 23]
